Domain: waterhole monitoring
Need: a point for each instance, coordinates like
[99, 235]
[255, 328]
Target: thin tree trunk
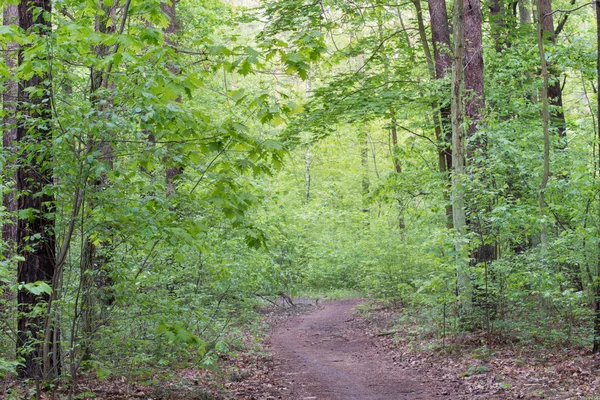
[554, 91]
[33, 182]
[398, 169]
[392, 112]
[364, 161]
[9, 105]
[307, 156]
[545, 122]
[91, 263]
[169, 8]
[307, 175]
[498, 25]
[596, 281]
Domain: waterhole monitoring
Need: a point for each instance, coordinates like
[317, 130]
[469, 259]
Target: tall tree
[398, 169]
[474, 108]
[170, 9]
[596, 279]
[545, 122]
[92, 264]
[35, 232]
[364, 162]
[9, 134]
[458, 155]
[439, 65]
[474, 83]
[440, 34]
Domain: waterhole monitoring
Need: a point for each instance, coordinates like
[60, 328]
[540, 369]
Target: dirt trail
[326, 354]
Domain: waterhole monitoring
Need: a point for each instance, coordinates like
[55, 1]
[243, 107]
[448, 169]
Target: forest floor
[333, 352]
[355, 350]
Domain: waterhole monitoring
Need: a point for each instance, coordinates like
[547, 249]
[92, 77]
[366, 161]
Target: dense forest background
[166, 166]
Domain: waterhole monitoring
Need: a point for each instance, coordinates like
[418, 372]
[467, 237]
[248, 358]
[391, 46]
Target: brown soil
[328, 354]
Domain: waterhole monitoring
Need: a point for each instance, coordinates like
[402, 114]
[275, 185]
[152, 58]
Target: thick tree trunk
[35, 234]
[474, 107]
[524, 12]
[440, 32]
[475, 97]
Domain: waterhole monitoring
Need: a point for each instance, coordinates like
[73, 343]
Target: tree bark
[474, 87]
[474, 108]
[440, 33]
[35, 234]
[524, 12]
[458, 157]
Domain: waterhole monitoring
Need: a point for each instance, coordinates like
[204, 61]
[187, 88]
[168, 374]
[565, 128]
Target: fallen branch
[267, 299]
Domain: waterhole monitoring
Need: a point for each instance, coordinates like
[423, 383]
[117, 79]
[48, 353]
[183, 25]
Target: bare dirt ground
[328, 354]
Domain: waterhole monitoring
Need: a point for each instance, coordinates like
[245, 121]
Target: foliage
[288, 148]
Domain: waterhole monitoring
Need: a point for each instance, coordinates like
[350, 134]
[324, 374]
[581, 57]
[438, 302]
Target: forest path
[327, 354]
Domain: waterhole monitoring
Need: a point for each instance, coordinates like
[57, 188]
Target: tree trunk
[545, 121]
[475, 101]
[35, 234]
[173, 171]
[307, 175]
[474, 107]
[554, 91]
[497, 24]
[364, 162]
[307, 156]
[398, 169]
[9, 105]
[440, 33]
[596, 282]
[458, 158]
[92, 265]
[524, 12]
